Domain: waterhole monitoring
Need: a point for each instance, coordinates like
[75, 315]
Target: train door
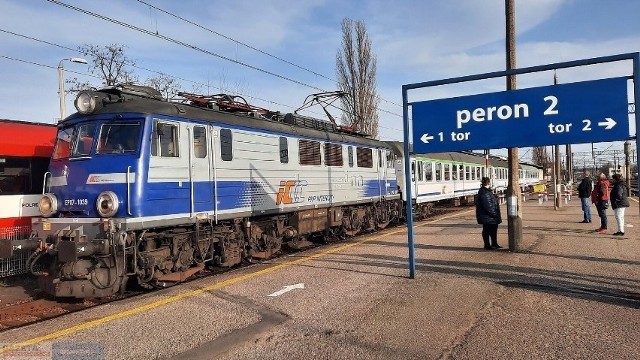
[380, 173]
[168, 189]
[200, 172]
[458, 184]
[384, 173]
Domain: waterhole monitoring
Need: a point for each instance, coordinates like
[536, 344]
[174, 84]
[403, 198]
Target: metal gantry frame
[635, 57]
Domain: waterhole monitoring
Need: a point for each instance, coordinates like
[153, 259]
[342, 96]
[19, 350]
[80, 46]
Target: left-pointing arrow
[608, 124]
[425, 138]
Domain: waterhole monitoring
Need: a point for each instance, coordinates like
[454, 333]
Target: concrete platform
[571, 294]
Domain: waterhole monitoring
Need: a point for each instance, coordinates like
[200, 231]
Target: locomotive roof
[140, 99]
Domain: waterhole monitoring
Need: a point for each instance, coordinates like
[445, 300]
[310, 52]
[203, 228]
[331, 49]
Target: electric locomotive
[142, 188]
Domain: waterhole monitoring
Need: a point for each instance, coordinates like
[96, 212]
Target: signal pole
[558, 177]
[514, 203]
[557, 166]
[627, 166]
[569, 161]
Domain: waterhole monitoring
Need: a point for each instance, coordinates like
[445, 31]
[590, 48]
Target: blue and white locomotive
[153, 190]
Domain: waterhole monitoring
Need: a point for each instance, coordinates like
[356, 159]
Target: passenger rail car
[456, 175]
[25, 150]
[152, 190]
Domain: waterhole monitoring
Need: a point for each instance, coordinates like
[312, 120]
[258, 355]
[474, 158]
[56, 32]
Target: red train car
[25, 150]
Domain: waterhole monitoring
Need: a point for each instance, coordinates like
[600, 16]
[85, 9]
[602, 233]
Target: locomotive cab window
[84, 140]
[62, 149]
[164, 140]
[200, 142]
[118, 138]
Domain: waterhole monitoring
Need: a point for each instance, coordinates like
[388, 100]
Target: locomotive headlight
[48, 205]
[107, 204]
[85, 102]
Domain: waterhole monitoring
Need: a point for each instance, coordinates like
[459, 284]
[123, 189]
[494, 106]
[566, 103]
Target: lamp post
[61, 83]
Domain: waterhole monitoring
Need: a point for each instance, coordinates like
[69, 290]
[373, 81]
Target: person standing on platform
[600, 197]
[584, 193]
[488, 214]
[619, 202]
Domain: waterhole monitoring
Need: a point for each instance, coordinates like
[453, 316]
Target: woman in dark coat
[488, 214]
[619, 202]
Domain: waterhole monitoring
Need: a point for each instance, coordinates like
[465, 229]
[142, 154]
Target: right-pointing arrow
[608, 124]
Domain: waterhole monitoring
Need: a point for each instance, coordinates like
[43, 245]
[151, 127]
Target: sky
[276, 52]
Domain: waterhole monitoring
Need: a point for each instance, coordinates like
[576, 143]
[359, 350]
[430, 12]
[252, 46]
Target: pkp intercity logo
[290, 191]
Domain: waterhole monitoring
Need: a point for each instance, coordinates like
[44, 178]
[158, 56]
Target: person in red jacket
[600, 197]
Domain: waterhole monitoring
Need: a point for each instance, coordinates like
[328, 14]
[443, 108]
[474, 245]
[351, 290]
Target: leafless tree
[356, 71]
[109, 63]
[167, 85]
[540, 157]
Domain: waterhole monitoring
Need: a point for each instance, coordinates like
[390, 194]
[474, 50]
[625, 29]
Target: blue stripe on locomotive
[377, 187]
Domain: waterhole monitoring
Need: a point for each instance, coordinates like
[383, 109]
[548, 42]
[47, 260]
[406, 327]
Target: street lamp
[61, 82]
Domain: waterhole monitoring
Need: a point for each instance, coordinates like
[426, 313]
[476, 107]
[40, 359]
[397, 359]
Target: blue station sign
[581, 112]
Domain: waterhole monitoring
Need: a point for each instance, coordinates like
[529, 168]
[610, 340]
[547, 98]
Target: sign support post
[514, 200]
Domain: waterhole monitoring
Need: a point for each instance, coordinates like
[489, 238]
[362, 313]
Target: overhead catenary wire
[155, 71]
[245, 45]
[149, 70]
[182, 43]
[194, 47]
[134, 66]
[47, 66]
[234, 40]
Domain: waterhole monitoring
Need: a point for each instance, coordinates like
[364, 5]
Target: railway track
[31, 310]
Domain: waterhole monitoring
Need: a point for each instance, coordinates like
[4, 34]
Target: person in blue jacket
[488, 214]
